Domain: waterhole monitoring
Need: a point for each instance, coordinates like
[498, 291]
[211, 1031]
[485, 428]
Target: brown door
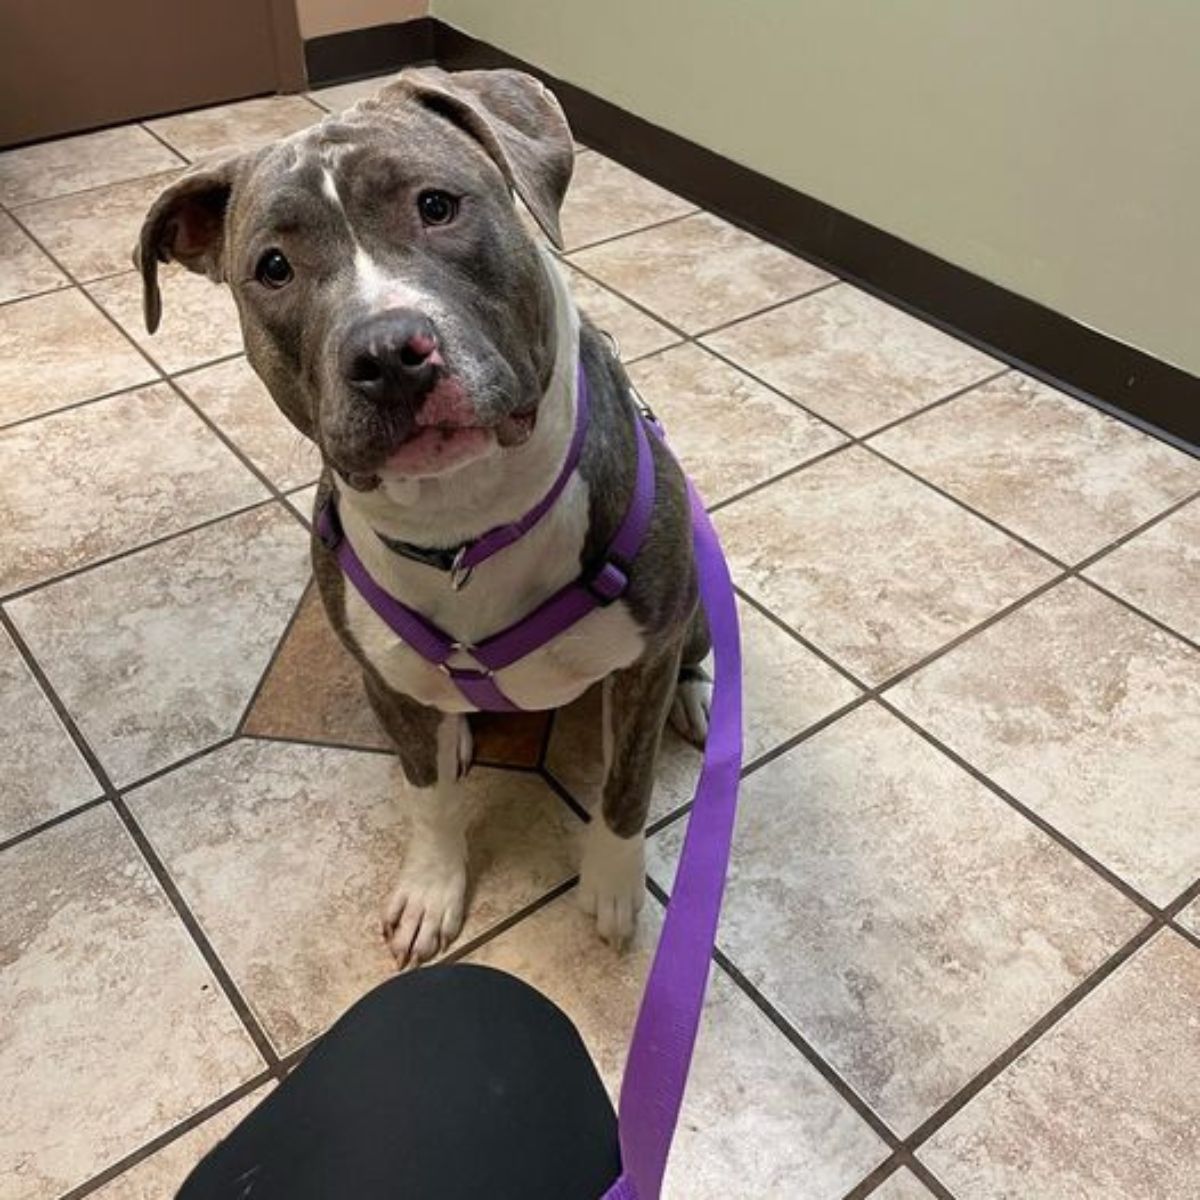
[69, 65]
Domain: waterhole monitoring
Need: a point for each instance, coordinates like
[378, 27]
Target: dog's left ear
[517, 120]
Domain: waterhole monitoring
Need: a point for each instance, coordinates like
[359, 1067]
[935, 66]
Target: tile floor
[961, 951]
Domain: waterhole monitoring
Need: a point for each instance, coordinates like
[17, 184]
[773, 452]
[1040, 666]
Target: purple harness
[665, 1034]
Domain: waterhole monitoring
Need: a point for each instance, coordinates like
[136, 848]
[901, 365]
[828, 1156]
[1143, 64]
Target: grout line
[247, 735]
[14, 209]
[616, 237]
[74, 405]
[724, 326]
[30, 588]
[168, 1136]
[1033, 1034]
[1081, 855]
[786, 473]
[179, 763]
[505, 924]
[58, 819]
[560, 789]
[40, 294]
[1141, 612]
[1185, 933]
[935, 404]
[149, 855]
[276, 650]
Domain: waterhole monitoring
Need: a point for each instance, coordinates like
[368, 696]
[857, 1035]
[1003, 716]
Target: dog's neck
[447, 510]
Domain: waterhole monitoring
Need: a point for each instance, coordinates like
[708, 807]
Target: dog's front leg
[424, 913]
[612, 876]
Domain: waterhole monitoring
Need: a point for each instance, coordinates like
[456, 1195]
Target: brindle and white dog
[406, 320]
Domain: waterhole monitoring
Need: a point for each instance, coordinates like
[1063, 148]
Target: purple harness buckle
[608, 583]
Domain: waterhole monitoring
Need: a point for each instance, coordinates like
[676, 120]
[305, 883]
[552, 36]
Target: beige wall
[319, 17]
[1050, 145]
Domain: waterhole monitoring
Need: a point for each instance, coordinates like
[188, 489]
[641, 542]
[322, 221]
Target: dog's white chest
[501, 591]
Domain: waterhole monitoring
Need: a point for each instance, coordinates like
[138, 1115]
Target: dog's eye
[437, 208]
[273, 270]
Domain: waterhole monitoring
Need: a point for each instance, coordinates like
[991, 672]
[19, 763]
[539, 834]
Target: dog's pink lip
[433, 449]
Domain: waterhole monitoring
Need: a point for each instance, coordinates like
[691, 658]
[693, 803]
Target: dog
[406, 318]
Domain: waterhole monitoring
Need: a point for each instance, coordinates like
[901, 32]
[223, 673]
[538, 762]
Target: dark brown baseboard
[1098, 369]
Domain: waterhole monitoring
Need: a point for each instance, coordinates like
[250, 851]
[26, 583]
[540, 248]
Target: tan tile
[728, 431]
[286, 854]
[57, 349]
[24, 269]
[786, 688]
[44, 774]
[756, 1119]
[240, 126]
[89, 161]
[233, 397]
[94, 233]
[1091, 717]
[851, 358]
[605, 200]
[199, 322]
[699, 272]
[907, 922]
[342, 95]
[1051, 469]
[81, 485]
[635, 333]
[1107, 1104]
[1159, 571]
[903, 1185]
[157, 654]
[874, 568]
[114, 1030]
[161, 1175]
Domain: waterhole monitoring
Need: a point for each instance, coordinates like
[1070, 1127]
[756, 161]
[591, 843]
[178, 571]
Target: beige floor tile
[605, 200]
[24, 269]
[286, 854]
[873, 567]
[71, 164]
[1107, 1104]
[700, 272]
[94, 233]
[757, 1118]
[57, 349]
[161, 1175]
[303, 501]
[81, 485]
[232, 396]
[157, 654]
[851, 358]
[728, 431]
[1048, 467]
[1159, 571]
[1091, 717]
[787, 688]
[1190, 918]
[905, 920]
[635, 332]
[199, 322]
[44, 774]
[114, 1030]
[240, 126]
[343, 95]
[904, 1185]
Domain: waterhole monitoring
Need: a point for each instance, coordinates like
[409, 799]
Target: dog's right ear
[186, 224]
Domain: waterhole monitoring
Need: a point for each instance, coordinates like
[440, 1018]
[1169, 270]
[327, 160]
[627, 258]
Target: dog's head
[390, 295]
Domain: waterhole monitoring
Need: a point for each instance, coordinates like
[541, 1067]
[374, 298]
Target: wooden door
[70, 65]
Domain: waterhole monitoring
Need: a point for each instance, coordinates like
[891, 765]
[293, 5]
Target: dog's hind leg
[612, 876]
[693, 691]
[425, 912]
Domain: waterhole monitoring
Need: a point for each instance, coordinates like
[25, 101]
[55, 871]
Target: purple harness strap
[664, 1036]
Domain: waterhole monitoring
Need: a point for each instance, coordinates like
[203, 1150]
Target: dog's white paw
[425, 913]
[612, 881]
[692, 706]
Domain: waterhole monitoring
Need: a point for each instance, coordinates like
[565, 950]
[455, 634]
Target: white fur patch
[612, 881]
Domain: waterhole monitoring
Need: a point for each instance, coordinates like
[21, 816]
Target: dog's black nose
[392, 357]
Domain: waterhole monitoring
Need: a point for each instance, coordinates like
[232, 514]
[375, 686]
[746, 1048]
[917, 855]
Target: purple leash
[664, 1037]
